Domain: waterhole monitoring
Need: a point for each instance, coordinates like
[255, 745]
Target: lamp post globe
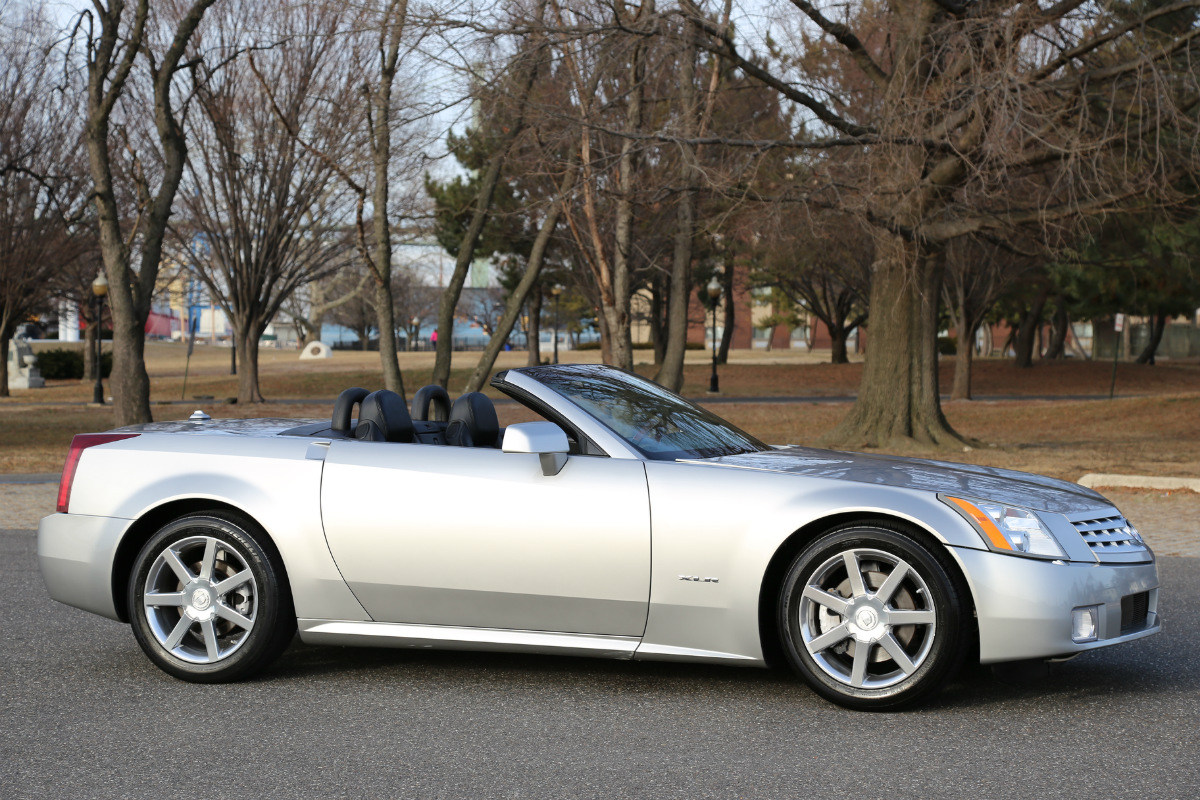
[714, 297]
[99, 290]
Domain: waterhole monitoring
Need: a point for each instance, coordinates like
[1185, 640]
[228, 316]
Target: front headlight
[1009, 529]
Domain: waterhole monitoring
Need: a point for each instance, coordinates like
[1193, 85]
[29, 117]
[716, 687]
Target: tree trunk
[730, 311]
[129, 382]
[89, 352]
[516, 300]
[1059, 326]
[964, 360]
[4, 341]
[1158, 324]
[658, 333]
[246, 336]
[670, 374]
[838, 336]
[1027, 330]
[466, 254]
[385, 311]
[533, 332]
[898, 402]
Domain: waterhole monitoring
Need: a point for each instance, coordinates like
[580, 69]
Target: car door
[475, 537]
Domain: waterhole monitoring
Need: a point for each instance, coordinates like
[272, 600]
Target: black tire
[823, 634]
[197, 633]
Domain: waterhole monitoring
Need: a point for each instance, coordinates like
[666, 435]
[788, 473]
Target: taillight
[81, 442]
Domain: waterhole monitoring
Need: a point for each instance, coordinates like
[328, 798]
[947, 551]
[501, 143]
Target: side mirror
[544, 438]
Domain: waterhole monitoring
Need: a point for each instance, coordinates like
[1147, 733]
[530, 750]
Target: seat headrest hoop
[435, 395]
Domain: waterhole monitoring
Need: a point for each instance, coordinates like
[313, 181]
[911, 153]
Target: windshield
[659, 424]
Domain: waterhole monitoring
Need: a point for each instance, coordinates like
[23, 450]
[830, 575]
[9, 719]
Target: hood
[964, 480]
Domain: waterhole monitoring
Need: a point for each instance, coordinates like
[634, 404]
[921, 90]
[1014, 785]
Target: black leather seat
[473, 422]
[431, 395]
[383, 417]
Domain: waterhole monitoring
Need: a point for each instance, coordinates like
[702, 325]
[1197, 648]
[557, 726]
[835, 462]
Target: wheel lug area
[867, 620]
[200, 598]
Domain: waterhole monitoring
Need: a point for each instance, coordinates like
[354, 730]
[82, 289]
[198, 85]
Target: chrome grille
[1110, 537]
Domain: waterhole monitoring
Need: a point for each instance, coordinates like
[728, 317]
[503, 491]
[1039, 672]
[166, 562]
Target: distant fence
[421, 346]
[1178, 341]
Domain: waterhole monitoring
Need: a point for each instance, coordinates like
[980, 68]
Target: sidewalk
[1170, 521]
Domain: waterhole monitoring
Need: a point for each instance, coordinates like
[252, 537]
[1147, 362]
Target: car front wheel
[208, 602]
[871, 618]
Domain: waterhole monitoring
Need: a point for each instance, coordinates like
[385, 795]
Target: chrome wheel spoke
[209, 559]
[158, 599]
[857, 587]
[889, 587]
[229, 584]
[210, 639]
[904, 616]
[828, 639]
[225, 612]
[862, 657]
[177, 633]
[181, 571]
[822, 598]
[896, 651]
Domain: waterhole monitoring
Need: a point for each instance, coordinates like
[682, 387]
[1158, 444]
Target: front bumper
[75, 555]
[1024, 605]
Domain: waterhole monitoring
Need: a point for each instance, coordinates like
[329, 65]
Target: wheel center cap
[866, 618]
[201, 599]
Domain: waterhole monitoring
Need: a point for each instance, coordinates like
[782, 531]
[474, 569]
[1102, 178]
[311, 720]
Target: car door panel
[480, 538]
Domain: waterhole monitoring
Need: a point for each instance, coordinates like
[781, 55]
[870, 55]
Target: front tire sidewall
[274, 622]
[946, 653]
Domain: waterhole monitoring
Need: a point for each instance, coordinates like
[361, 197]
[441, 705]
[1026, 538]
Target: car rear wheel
[871, 618]
[208, 601]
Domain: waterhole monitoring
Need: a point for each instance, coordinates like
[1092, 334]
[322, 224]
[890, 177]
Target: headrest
[476, 411]
[387, 417]
[343, 408]
[431, 394]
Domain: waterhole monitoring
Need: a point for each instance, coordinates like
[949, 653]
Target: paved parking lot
[85, 714]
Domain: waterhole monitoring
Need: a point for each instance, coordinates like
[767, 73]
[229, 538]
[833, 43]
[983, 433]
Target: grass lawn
[1152, 428]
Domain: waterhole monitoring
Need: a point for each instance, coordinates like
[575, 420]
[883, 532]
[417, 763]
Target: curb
[27, 478]
[1095, 479]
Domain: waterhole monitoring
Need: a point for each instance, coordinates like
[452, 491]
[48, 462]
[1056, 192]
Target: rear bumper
[75, 555]
[1024, 605]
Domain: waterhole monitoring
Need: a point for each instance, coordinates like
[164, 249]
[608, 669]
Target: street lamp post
[99, 290]
[556, 291]
[714, 296]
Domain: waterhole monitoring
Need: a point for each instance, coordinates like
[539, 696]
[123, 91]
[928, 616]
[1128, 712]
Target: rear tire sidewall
[947, 600]
[274, 621]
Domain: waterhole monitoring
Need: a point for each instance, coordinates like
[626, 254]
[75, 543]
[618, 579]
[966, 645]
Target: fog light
[1085, 624]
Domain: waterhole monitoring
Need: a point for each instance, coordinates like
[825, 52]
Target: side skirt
[445, 637]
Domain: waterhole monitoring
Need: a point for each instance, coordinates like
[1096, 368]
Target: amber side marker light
[81, 442]
[998, 539]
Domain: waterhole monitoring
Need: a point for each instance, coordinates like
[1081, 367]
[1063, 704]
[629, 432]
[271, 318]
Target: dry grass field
[1152, 428]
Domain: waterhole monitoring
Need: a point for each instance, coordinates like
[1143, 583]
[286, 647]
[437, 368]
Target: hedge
[61, 364]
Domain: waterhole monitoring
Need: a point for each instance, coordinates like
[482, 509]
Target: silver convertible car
[628, 523]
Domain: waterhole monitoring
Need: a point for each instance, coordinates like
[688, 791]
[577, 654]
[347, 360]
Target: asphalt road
[85, 715]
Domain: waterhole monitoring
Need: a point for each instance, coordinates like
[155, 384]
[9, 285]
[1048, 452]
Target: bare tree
[977, 272]
[970, 117]
[823, 265]
[263, 215]
[117, 39]
[41, 193]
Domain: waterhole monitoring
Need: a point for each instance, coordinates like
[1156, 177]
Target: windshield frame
[549, 375]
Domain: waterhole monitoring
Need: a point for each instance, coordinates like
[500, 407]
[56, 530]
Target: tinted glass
[659, 424]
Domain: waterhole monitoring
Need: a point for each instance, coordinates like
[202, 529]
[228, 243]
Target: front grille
[1134, 608]
[1110, 537]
